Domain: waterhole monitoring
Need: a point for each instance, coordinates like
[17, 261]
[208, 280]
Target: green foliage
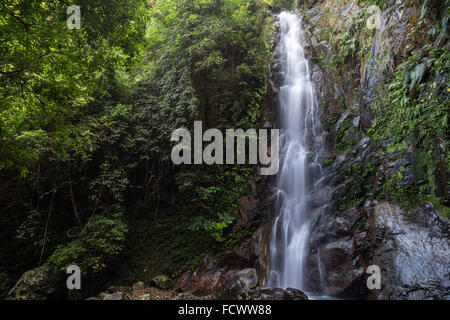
[101, 243]
[414, 109]
[49, 73]
[396, 147]
[85, 129]
[439, 12]
[403, 193]
[421, 115]
[217, 202]
[330, 121]
[359, 173]
[210, 61]
[346, 137]
[164, 245]
[214, 228]
[354, 40]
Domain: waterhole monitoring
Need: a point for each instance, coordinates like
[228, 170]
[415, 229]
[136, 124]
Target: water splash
[301, 140]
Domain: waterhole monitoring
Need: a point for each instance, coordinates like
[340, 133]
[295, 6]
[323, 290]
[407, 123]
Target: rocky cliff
[378, 79]
[380, 193]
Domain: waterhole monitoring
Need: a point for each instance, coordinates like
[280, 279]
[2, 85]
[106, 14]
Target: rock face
[356, 222]
[204, 280]
[39, 284]
[243, 285]
[413, 251]
[239, 285]
[354, 230]
[339, 254]
[410, 247]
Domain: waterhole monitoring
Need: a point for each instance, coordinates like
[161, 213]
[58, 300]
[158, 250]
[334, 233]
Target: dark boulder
[206, 278]
[239, 285]
[280, 294]
[42, 283]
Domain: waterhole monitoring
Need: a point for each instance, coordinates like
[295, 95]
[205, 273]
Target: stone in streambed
[280, 294]
[294, 294]
[42, 283]
[162, 282]
[239, 285]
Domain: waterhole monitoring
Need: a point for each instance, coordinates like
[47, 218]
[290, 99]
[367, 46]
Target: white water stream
[300, 141]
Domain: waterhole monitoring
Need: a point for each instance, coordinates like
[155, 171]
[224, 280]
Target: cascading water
[301, 141]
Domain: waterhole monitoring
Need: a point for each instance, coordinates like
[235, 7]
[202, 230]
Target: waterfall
[301, 141]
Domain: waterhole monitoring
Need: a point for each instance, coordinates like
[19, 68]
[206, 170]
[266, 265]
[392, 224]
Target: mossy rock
[162, 282]
[42, 283]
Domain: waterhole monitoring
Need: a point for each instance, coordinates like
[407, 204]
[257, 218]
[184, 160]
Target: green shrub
[100, 243]
[413, 110]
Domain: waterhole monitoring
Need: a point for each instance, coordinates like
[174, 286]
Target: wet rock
[162, 282]
[245, 208]
[124, 289]
[335, 269]
[239, 285]
[272, 294]
[328, 229]
[206, 278]
[242, 256]
[42, 283]
[294, 294]
[280, 294]
[413, 252]
[201, 280]
[320, 198]
[339, 247]
[362, 144]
